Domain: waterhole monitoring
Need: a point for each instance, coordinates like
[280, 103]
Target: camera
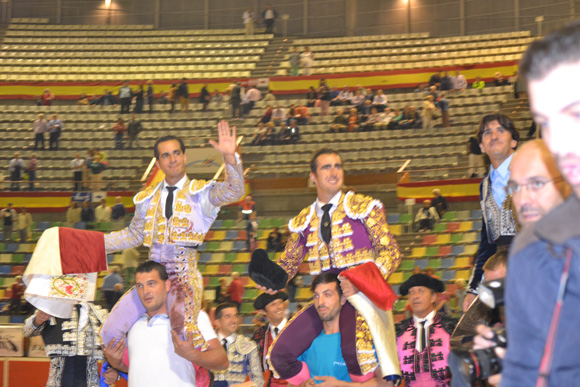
[474, 365]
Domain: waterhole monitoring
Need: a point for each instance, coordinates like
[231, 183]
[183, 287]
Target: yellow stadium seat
[262, 244]
[469, 237]
[218, 235]
[465, 226]
[217, 257]
[470, 250]
[304, 293]
[226, 246]
[443, 239]
[243, 257]
[211, 269]
[396, 278]
[418, 252]
[5, 258]
[463, 274]
[462, 262]
[396, 229]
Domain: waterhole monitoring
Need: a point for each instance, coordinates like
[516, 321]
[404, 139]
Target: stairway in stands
[272, 57]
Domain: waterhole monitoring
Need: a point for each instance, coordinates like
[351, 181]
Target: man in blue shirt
[323, 359]
[498, 139]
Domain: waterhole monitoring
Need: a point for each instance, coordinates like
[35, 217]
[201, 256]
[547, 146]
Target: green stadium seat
[432, 251]
[212, 246]
[230, 257]
[242, 269]
[214, 281]
[266, 223]
[17, 258]
[456, 238]
[406, 219]
[406, 264]
[228, 223]
[435, 263]
[450, 216]
[440, 228]
[247, 308]
[251, 294]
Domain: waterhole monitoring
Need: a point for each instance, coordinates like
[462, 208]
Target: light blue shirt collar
[499, 178]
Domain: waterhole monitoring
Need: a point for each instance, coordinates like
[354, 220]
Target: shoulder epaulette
[302, 220]
[245, 345]
[197, 186]
[448, 323]
[402, 326]
[146, 193]
[359, 206]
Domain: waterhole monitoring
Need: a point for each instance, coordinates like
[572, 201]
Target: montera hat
[422, 280]
[264, 299]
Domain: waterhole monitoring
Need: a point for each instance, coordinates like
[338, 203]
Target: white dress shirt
[428, 321]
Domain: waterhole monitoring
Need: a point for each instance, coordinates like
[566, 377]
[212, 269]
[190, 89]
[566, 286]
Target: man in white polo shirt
[157, 356]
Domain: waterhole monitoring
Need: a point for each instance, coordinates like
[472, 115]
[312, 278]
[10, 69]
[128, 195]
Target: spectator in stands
[87, 212]
[290, 114]
[396, 120]
[306, 60]
[340, 122]
[294, 61]
[248, 19]
[271, 135]
[291, 134]
[372, 121]
[139, 99]
[118, 213]
[415, 117]
[267, 116]
[274, 243]
[40, 127]
[253, 95]
[183, 92]
[498, 138]
[119, 130]
[221, 292]
[269, 97]
[235, 290]
[358, 100]
[125, 96]
[478, 83]
[103, 212]
[9, 218]
[435, 79]
[31, 169]
[16, 167]
[150, 95]
[520, 86]
[108, 99]
[354, 121]
[380, 101]
[345, 96]
[96, 176]
[269, 16]
[439, 203]
[217, 99]
[499, 79]
[324, 97]
[422, 88]
[475, 159]
[427, 113]
[251, 230]
[301, 114]
[426, 217]
[236, 99]
[260, 135]
[46, 98]
[171, 97]
[433, 92]
[55, 127]
[370, 95]
[459, 81]
[278, 115]
[108, 287]
[134, 127]
[446, 82]
[204, 97]
[76, 165]
[73, 214]
[17, 290]
[311, 97]
[334, 97]
[386, 119]
[83, 100]
[444, 107]
[366, 110]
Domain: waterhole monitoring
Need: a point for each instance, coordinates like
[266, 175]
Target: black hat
[264, 299]
[265, 272]
[422, 280]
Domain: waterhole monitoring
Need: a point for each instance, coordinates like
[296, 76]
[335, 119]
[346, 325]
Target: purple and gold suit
[359, 235]
[173, 243]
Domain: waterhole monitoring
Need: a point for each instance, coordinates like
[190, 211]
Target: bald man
[535, 183]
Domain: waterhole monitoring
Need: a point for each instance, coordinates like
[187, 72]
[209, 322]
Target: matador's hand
[226, 144]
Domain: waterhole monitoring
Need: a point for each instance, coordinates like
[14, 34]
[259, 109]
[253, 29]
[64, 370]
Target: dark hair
[326, 278]
[320, 152]
[506, 122]
[167, 138]
[149, 266]
[557, 48]
[222, 306]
